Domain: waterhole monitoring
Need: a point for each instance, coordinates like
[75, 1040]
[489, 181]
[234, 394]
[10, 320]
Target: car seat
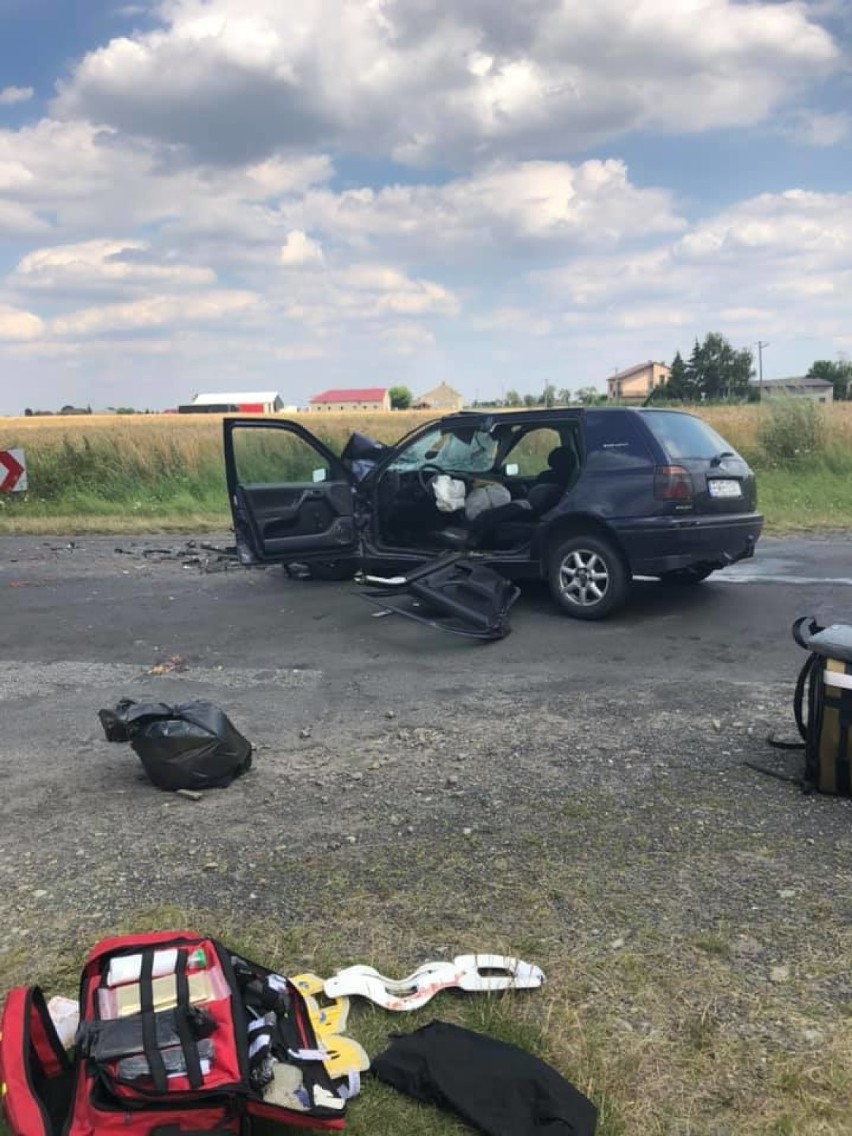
[512, 524]
[551, 483]
[477, 532]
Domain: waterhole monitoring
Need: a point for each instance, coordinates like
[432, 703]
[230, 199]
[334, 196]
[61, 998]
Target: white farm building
[245, 402]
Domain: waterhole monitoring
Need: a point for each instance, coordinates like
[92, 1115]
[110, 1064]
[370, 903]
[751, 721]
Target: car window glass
[531, 451]
[272, 456]
[614, 441]
[463, 450]
[683, 436]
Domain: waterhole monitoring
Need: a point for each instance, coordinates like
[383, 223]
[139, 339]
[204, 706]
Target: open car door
[291, 498]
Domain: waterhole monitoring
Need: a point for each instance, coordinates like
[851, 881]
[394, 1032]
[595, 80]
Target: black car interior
[408, 515]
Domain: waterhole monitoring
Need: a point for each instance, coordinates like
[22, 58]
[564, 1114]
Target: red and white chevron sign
[13, 471]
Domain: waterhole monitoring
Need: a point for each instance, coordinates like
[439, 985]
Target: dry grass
[741, 425]
[196, 432]
[146, 437]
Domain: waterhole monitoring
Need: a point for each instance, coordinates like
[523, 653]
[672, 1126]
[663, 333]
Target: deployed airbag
[449, 493]
[484, 498]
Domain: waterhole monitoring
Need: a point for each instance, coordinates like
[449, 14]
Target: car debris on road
[191, 554]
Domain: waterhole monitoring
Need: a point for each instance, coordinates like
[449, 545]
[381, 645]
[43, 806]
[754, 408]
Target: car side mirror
[319, 475]
[513, 470]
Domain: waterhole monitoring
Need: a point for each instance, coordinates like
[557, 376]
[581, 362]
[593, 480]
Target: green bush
[792, 432]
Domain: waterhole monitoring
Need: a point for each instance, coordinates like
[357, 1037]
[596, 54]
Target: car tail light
[672, 483]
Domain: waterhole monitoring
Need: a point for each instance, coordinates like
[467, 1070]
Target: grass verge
[802, 500]
[665, 1042]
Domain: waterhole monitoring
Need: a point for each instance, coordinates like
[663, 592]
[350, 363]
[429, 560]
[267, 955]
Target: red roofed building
[361, 398]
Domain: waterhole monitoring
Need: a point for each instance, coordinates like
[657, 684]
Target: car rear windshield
[683, 436]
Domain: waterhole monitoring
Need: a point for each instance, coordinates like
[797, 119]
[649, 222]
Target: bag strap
[777, 774]
[149, 1026]
[187, 1040]
[798, 703]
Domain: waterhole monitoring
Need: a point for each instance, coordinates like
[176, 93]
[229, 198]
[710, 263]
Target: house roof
[808, 382]
[442, 390]
[230, 397]
[358, 394]
[638, 367]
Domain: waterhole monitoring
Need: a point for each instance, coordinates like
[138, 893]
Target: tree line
[717, 372]
[714, 372]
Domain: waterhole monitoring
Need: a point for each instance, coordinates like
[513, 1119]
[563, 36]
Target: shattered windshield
[463, 450]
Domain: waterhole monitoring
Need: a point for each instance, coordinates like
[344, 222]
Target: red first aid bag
[178, 1036]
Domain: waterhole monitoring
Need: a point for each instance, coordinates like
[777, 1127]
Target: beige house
[636, 383]
[361, 398]
[820, 390]
[441, 397]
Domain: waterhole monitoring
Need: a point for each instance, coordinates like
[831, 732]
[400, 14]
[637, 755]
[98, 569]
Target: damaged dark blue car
[585, 499]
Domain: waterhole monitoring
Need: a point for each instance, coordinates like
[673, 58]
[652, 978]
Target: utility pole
[760, 347]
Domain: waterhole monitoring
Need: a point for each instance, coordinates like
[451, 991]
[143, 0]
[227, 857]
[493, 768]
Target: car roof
[543, 415]
[497, 415]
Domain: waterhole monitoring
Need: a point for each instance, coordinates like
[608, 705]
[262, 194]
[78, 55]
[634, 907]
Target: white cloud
[102, 264]
[232, 79]
[109, 349]
[361, 297]
[299, 250]
[17, 325]
[772, 263]
[407, 339]
[821, 130]
[17, 221]
[10, 96]
[526, 321]
[300, 352]
[155, 312]
[94, 180]
[377, 289]
[181, 204]
[522, 204]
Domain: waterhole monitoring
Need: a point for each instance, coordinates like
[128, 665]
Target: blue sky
[203, 194]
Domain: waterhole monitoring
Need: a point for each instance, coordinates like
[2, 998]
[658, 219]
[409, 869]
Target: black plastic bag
[190, 746]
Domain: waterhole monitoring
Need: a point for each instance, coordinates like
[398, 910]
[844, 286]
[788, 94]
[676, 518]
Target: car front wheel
[588, 577]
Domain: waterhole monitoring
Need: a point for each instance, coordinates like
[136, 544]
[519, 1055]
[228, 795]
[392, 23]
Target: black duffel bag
[193, 745]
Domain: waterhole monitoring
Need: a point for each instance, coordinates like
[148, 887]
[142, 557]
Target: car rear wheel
[686, 576]
[588, 577]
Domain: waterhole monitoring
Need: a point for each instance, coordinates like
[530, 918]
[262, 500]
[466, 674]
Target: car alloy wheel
[584, 577]
[588, 576]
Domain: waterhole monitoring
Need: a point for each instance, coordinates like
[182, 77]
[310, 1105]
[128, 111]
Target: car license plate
[724, 487]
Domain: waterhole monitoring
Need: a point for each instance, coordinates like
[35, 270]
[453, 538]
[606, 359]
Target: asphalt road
[84, 603]
[412, 734]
